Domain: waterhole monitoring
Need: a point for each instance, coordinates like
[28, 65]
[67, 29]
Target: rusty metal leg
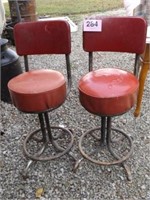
[103, 131]
[143, 74]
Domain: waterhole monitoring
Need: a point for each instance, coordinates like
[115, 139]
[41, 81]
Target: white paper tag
[92, 25]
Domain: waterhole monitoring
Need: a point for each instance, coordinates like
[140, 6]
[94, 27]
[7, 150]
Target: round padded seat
[38, 90]
[108, 91]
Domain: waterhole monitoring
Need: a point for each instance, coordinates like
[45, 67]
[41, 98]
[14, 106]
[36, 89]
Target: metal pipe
[90, 61]
[41, 119]
[108, 138]
[26, 63]
[48, 128]
[68, 73]
[103, 132]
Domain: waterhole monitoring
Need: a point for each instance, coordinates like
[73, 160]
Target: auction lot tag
[92, 25]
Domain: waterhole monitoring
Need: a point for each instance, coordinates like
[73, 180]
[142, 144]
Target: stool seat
[108, 91]
[38, 90]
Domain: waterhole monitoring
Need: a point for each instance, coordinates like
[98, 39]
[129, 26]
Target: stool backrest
[119, 34]
[42, 37]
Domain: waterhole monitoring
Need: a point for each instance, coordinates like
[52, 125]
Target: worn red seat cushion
[108, 91]
[38, 90]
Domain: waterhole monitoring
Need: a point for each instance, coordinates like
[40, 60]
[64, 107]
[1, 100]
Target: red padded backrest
[43, 37]
[119, 34]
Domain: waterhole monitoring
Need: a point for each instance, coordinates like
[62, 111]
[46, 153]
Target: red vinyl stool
[40, 91]
[110, 92]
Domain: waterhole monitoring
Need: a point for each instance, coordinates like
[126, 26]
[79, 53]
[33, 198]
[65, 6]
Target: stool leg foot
[31, 162]
[77, 163]
[24, 172]
[128, 171]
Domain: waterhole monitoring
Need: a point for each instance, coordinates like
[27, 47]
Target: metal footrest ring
[118, 158]
[38, 156]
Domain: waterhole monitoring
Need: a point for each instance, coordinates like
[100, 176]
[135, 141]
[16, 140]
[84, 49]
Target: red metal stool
[42, 90]
[110, 92]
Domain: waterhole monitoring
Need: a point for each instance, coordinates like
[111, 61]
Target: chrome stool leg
[105, 141]
[46, 139]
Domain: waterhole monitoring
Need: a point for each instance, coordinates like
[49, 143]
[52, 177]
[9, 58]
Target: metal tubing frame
[67, 56]
[26, 63]
[106, 140]
[47, 138]
[137, 65]
[90, 61]
[103, 131]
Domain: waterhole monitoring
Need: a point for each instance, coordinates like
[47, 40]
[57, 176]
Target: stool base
[105, 143]
[38, 156]
[46, 143]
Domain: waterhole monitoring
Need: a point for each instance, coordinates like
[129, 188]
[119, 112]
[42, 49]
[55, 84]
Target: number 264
[91, 23]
